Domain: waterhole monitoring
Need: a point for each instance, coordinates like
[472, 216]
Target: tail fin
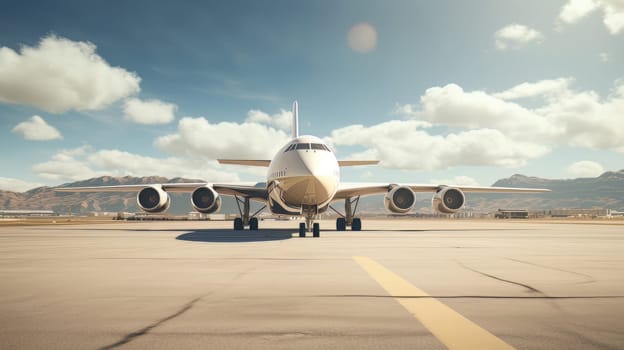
[295, 122]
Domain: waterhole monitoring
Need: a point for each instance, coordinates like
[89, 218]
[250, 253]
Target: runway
[399, 284]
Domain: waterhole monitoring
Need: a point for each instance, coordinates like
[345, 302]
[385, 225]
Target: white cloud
[613, 15]
[403, 144]
[60, 74]
[281, 120]
[585, 168]
[584, 119]
[149, 111]
[37, 129]
[574, 10]
[67, 165]
[83, 163]
[452, 127]
[362, 38]
[198, 137]
[554, 87]
[457, 180]
[137, 165]
[515, 36]
[16, 185]
[604, 57]
[563, 116]
[194, 148]
[612, 12]
[452, 106]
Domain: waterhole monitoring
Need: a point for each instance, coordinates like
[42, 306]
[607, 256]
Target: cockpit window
[303, 146]
[314, 146]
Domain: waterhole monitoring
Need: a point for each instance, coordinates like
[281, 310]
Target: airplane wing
[357, 162]
[266, 163]
[248, 162]
[253, 190]
[346, 190]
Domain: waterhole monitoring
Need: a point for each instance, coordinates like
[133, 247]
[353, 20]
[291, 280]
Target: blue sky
[465, 92]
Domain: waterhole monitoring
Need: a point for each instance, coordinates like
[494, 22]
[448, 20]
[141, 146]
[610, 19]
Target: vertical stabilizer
[295, 122]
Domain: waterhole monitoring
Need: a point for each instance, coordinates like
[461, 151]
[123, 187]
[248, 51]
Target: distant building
[102, 213]
[14, 213]
[193, 215]
[512, 214]
[125, 216]
[564, 213]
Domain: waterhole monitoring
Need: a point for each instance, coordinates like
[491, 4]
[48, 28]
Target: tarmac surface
[399, 284]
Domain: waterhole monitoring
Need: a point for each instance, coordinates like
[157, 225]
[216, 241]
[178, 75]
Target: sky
[439, 91]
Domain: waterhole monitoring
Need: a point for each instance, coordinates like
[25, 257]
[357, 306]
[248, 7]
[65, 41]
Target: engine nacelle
[153, 199]
[205, 200]
[400, 199]
[448, 200]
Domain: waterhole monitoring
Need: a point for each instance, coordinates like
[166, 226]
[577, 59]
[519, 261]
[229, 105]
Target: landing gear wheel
[341, 224]
[316, 230]
[302, 230]
[253, 224]
[356, 225]
[238, 224]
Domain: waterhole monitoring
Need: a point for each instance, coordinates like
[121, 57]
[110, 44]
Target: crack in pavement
[129, 337]
[588, 278]
[550, 301]
[186, 307]
[583, 338]
[530, 288]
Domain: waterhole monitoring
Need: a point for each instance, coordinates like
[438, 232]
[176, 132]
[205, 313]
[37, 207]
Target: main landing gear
[245, 219]
[347, 219]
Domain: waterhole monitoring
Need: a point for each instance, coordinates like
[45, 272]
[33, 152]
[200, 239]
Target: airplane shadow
[230, 236]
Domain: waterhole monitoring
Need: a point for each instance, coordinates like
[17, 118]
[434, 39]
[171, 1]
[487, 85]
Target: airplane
[303, 179]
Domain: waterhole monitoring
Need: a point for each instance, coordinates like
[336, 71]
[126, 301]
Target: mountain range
[604, 191]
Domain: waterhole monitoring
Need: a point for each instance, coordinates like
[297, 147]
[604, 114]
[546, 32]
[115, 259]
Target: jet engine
[205, 200]
[448, 200]
[153, 199]
[400, 199]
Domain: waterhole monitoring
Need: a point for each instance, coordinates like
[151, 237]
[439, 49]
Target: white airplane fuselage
[302, 177]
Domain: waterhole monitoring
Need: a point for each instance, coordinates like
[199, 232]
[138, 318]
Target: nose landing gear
[316, 230]
[310, 213]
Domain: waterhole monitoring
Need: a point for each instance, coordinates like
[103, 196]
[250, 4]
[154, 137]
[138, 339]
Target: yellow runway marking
[452, 329]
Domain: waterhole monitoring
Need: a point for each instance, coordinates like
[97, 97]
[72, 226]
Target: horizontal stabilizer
[357, 162]
[248, 162]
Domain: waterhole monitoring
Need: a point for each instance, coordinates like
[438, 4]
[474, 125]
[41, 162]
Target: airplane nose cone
[311, 182]
[311, 165]
[308, 167]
